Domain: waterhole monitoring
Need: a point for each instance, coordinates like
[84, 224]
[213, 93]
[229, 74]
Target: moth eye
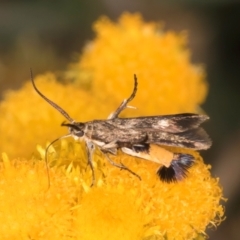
[78, 133]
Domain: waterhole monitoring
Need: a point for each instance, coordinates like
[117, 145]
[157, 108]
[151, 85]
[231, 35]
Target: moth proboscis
[142, 137]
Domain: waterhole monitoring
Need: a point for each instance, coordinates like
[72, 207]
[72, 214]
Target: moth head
[76, 129]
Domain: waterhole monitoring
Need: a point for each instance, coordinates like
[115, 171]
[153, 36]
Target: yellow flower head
[168, 81]
[28, 209]
[119, 205]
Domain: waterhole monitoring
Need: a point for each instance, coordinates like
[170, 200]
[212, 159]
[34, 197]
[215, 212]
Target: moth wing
[167, 123]
[105, 132]
[196, 139]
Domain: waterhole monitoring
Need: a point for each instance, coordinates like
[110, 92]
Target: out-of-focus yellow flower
[29, 120]
[168, 81]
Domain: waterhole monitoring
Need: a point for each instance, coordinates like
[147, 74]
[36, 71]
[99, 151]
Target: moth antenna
[123, 105]
[134, 89]
[178, 169]
[46, 155]
[64, 113]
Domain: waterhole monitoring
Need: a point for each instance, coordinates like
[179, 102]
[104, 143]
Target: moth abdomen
[178, 168]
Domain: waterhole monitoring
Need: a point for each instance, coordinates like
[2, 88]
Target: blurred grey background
[48, 35]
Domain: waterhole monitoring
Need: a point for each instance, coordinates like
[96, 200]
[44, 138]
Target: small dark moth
[141, 137]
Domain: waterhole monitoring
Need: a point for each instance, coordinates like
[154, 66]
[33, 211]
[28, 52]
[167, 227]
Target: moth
[142, 137]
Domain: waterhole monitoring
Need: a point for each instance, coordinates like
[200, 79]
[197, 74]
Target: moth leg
[110, 146]
[124, 103]
[90, 151]
[121, 166]
[178, 169]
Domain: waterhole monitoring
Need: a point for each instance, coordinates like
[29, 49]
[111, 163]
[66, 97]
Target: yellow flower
[168, 81]
[28, 209]
[119, 205]
[29, 120]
